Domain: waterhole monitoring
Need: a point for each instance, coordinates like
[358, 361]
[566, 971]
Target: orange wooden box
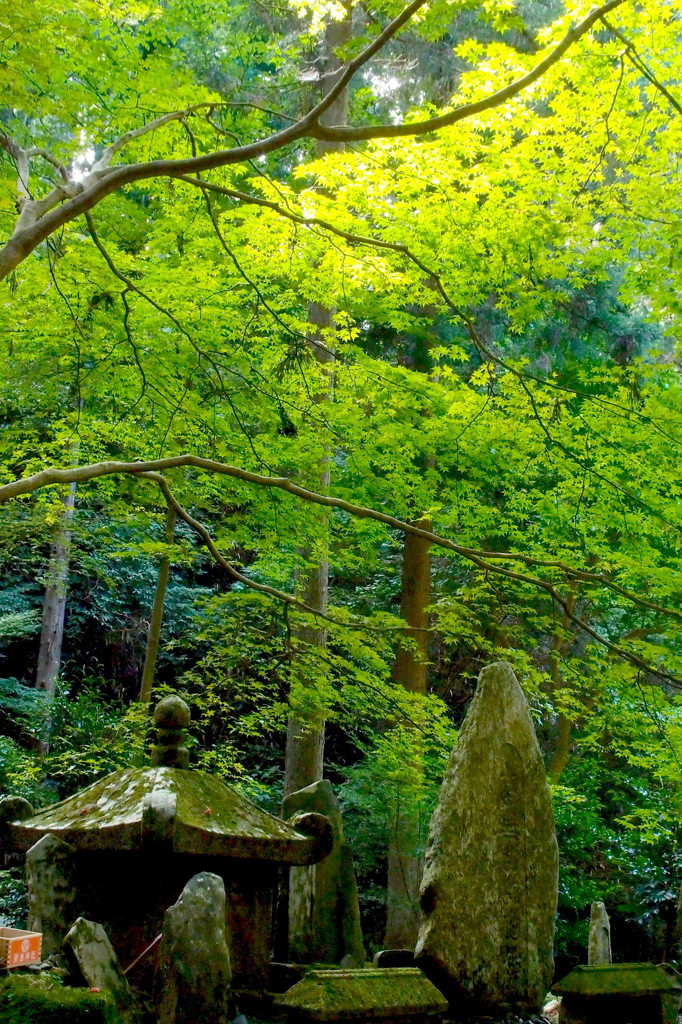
[18, 947]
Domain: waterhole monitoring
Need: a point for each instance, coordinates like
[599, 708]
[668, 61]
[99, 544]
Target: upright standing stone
[50, 878]
[489, 891]
[194, 972]
[599, 943]
[92, 957]
[324, 914]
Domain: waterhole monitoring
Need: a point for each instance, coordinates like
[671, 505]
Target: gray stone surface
[50, 878]
[489, 891]
[599, 942]
[323, 911]
[91, 956]
[194, 974]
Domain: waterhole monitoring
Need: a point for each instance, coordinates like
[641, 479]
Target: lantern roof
[169, 807]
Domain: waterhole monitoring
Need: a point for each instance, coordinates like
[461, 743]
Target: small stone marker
[599, 943]
[489, 891]
[50, 877]
[636, 993]
[323, 911]
[91, 955]
[384, 994]
[194, 973]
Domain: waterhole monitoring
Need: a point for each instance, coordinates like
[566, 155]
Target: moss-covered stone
[194, 972]
[50, 877]
[616, 979]
[25, 1000]
[323, 911]
[385, 994]
[612, 993]
[171, 717]
[14, 808]
[489, 890]
[203, 815]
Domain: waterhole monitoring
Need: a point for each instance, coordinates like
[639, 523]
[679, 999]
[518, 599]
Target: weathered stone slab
[384, 994]
[489, 891]
[614, 993]
[92, 957]
[323, 911]
[599, 942]
[194, 974]
[50, 878]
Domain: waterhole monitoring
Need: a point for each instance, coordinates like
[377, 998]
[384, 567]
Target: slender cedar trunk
[54, 604]
[54, 607]
[156, 621]
[304, 756]
[564, 738]
[411, 671]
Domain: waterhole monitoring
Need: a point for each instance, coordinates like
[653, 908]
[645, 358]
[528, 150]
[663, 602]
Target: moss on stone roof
[616, 979]
[202, 815]
[380, 994]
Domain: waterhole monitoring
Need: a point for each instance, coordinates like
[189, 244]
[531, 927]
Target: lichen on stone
[110, 814]
[382, 994]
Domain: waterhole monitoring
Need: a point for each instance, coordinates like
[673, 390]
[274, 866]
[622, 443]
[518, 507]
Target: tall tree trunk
[54, 604]
[411, 671]
[54, 610]
[564, 737]
[156, 620]
[304, 756]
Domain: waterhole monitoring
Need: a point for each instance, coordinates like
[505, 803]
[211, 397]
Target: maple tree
[168, 226]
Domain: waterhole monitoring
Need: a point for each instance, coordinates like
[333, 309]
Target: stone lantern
[134, 839]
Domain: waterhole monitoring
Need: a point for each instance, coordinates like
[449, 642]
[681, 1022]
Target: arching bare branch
[485, 560]
[40, 218]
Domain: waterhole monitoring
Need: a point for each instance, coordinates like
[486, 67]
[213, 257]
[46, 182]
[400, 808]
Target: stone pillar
[489, 891]
[194, 974]
[323, 913]
[599, 943]
[50, 878]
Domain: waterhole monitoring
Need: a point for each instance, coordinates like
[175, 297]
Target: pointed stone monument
[599, 942]
[489, 891]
